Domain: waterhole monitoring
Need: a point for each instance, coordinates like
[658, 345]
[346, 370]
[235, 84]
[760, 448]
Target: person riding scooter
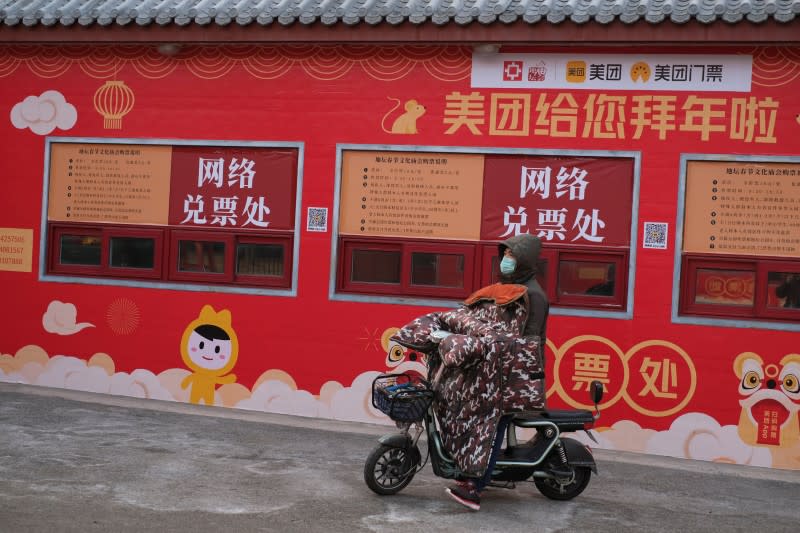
[518, 265]
[482, 364]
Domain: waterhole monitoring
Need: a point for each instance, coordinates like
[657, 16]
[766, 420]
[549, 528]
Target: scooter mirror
[596, 391]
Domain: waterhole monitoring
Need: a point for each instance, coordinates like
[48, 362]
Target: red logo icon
[537, 73]
[512, 70]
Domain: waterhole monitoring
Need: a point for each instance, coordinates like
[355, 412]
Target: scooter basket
[403, 397]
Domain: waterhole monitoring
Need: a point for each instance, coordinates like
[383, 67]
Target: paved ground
[74, 461]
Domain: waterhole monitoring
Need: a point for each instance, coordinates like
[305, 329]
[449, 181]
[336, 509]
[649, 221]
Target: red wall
[322, 97]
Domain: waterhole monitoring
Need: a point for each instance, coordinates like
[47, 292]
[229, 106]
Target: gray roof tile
[32, 13]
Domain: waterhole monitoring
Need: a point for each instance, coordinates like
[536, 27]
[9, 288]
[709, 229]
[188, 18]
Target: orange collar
[500, 293]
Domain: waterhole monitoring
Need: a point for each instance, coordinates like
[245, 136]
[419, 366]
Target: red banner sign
[237, 187]
[564, 200]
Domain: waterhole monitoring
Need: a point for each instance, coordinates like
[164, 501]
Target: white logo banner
[654, 72]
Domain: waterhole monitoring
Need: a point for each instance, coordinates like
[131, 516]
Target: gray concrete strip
[72, 461]
[198, 410]
[339, 426]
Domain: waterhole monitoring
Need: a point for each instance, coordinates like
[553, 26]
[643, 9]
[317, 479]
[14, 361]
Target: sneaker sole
[466, 503]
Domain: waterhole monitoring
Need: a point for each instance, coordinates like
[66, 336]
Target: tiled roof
[106, 13]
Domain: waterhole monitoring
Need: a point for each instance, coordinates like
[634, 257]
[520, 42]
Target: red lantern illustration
[113, 100]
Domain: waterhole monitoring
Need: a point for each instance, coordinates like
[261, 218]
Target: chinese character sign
[576, 200]
[591, 115]
[233, 187]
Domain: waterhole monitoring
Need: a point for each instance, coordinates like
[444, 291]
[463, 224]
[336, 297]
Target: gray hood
[526, 249]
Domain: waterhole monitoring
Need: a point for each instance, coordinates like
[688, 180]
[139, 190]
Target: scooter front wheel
[564, 488]
[388, 469]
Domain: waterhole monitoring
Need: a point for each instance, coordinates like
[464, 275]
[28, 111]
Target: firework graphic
[123, 316]
[371, 339]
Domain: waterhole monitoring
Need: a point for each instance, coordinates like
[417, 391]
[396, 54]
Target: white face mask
[508, 265]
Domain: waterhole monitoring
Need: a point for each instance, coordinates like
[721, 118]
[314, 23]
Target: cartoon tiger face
[770, 399]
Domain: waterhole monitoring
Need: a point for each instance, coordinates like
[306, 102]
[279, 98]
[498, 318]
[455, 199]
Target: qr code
[655, 235]
[317, 219]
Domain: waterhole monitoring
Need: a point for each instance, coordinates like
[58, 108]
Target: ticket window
[741, 287]
[132, 252]
[587, 278]
[77, 248]
[724, 287]
[783, 290]
[407, 268]
[201, 256]
[108, 251]
[254, 259]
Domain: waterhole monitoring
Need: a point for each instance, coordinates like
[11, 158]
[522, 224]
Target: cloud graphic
[60, 318]
[623, 435]
[274, 392]
[698, 436]
[31, 366]
[278, 397]
[44, 113]
[691, 436]
[335, 401]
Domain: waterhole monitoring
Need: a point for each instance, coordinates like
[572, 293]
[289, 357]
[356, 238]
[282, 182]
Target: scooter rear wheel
[564, 489]
[388, 469]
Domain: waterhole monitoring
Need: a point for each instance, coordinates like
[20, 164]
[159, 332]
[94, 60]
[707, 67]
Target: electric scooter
[559, 466]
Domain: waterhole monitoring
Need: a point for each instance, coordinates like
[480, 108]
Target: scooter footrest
[528, 451]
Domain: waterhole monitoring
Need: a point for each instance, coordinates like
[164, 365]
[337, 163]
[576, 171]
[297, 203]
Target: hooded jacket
[483, 370]
[526, 249]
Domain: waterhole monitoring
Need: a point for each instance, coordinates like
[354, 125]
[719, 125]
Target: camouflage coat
[485, 368]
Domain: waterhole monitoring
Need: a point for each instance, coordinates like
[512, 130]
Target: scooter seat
[572, 415]
[567, 420]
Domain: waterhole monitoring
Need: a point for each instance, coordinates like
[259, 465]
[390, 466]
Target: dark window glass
[783, 289]
[440, 270]
[592, 278]
[259, 259]
[80, 250]
[375, 266]
[201, 256]
[724, 287]
[541, 273]
[132, 252]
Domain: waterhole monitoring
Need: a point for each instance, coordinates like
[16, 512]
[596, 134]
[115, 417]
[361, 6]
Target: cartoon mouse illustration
[406, 123]
[210, 348]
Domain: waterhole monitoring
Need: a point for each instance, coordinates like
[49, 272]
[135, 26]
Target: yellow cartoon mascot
[209, 348]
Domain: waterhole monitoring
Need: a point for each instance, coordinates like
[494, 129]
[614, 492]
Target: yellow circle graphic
[692, 374]
[554, 386]
[771, 370]
[734, 287]
[586, 338]
[715, 286]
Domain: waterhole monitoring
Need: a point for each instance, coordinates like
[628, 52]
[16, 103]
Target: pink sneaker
[464, 492]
